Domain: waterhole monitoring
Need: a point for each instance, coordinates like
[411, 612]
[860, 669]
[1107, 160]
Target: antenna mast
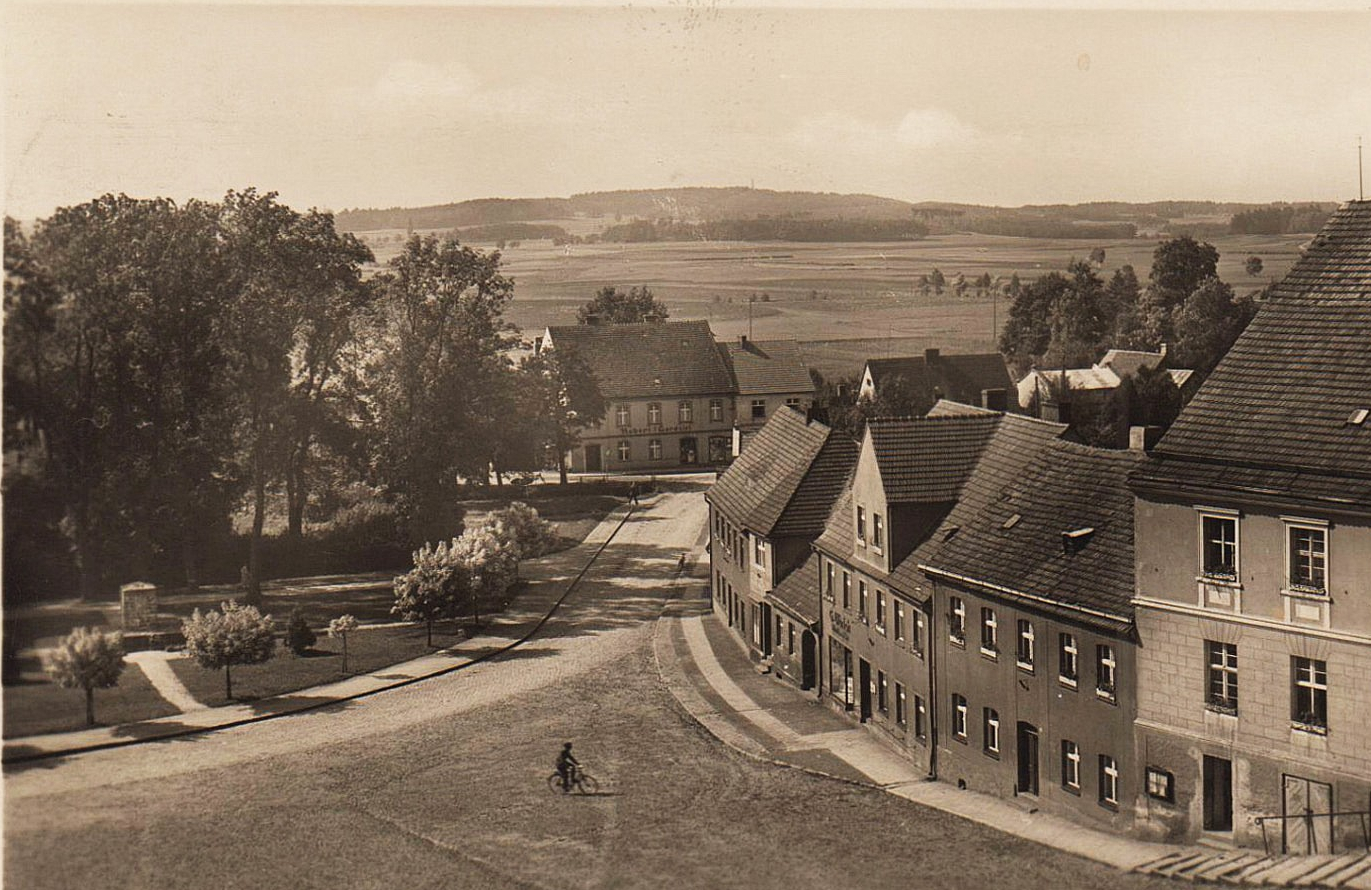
[1361, 193]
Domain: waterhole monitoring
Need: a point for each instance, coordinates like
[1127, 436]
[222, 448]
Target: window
[1071, 766]
[1220, 546]
[877, 531]
[956, 621]
[716, 409]
[625, 450]
[1109, 781]
[790, 637]
[654, 449]
[920, 715]
[759, 409]
[882, 700]
[793, 402]
[685, 411]
[958, 717]
[828, 578]
[779, 626]
[861, 599]
[899, 704]
[847, 591]
[1309, 559]
[1104, 672]
[880, 610]
[621, 416]
[1161, 784]
[990, 632]
[861, 526]
[1068, 668]
[991, 736]
[1024, 651]
[759, 551]
[1222, 659]
[899, 620]
[1309, 694]
[654, 414]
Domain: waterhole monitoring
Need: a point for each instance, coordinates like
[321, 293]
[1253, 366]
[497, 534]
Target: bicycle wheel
[586, 784]
[554, 783]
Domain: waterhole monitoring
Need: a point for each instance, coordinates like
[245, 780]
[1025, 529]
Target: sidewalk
[550, 580]
[709, 672]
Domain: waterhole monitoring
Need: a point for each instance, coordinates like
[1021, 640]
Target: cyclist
[566, 767]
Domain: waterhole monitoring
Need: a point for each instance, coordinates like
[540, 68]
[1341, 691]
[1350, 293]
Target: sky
[381, 106]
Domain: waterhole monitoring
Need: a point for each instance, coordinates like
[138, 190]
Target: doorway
[593, 462]
[1028, 759]
[1218, 794]
[765, 620]
[690, 452]
[1314, 802]
[807, 660]
[864, 681]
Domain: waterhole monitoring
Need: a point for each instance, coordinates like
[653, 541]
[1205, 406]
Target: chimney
[930, 355]
[592, 318]
[1143, 438]
[1163, 350]
[995, 399]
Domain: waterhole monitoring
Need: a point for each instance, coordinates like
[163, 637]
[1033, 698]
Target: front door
[1028, 759]
[766, 622]
[1218, 794]
[864, 682]
[807, 659]
[1313, 801]
[690, 452]
[593, 463]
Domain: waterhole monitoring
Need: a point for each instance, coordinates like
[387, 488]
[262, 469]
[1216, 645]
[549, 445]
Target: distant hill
[738, 205]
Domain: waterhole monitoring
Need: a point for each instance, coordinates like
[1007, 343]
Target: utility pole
[1361, 192]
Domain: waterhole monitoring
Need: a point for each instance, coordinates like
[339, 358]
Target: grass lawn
[36, 705]
[369, 649]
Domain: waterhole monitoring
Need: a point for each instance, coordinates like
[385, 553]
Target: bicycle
[580, 780]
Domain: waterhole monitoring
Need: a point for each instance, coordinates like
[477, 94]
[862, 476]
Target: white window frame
[899, 620]
[861, 526]
[1226, 671]
[1293, 524]
[829, 578]
[991, 730]
[901, 714]
[1106, 663]
[1071, 765]
[1109, 781]
[625, 450]
[685, 411]
[716, 409]
[759, 551]
[959, 717]
[990, 632]
[1026, 635]
[918, 626]
[880, 611]
[654, 413]
[1216, 513]
[920, 717]
[758, 403]
[1067, 645]
[654, 449]
[956, 626]
[623, 417]
[1312, 683]
[877, 532]
[862, 601]
[793, 402]
[882, 692]
[847, 589]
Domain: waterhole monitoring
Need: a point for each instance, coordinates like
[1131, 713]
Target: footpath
[711, 675]
[551, 580]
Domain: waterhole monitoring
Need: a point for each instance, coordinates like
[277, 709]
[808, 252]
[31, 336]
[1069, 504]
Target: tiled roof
[798, 592]
[785, 480]
[668, 358]
[1283, 397]
[957, 377]
[1130, 361]
[769, 366]
[926, 459]
[1009, 533]
[838, 537]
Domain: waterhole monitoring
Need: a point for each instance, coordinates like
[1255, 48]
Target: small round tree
[235, 635]
[89, 659]
[340, 627]
[299, 637]
[432, 588]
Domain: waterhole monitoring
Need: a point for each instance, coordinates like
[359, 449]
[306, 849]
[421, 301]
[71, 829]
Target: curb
[314, 706]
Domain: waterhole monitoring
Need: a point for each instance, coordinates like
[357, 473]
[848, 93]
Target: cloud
[933, 128]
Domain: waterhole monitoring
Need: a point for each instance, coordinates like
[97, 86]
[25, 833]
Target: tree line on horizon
[171, 367]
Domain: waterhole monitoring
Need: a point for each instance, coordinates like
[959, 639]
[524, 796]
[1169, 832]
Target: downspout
[932, 651]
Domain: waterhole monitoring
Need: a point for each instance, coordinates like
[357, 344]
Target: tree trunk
[430, 633]
[90, 706]
[253, 594]
[345, 653]
[228, 683]
[84, 548]
[561, 466]
[189, 559]
[297, 495]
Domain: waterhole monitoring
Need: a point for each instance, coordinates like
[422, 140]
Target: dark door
[807, 659]
[765, 618]
[690, 452]
[593, 464]
[864, 681]
[1218, 794]
[1028, 759]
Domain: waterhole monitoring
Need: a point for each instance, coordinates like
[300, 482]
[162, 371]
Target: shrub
[432, 588]
[520, 525]
[87, 659]
[235, 635]
[298, 635]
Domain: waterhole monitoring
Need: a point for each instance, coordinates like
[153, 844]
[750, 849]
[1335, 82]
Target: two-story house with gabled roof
[1254, 574]
[668, 390]
[770, 375]
[764, 511]
[980, 379]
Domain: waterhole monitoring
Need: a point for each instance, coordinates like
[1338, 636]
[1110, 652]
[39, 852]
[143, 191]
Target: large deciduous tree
[565, 399]
[613, 306]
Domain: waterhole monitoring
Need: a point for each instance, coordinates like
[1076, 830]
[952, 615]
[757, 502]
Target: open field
[834, 291]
